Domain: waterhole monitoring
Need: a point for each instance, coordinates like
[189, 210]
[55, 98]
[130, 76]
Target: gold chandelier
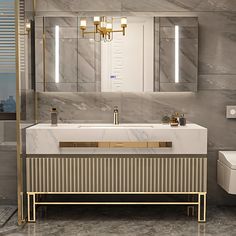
[103, 28]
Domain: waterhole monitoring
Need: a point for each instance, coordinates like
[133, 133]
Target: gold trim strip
[117, 193]
[116, 203]
[44, 56]
[116, 144]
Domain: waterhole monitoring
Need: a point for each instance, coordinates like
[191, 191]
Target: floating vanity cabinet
[125, 159]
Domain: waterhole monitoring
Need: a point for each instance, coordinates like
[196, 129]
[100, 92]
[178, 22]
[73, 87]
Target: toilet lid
[228, 158]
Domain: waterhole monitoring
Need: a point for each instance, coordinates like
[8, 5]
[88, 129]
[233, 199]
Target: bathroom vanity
[116, 159]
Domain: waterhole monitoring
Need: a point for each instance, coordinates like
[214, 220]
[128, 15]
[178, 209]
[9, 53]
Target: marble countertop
[45, 138]
[120, 126]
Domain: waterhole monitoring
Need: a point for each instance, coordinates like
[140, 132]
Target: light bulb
[27, 25]
[103, 24]
[83, 24]
[109, 27]
[96, 20]
[123, 22]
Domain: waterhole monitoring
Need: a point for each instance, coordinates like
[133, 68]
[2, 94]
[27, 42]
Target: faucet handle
[116, 108]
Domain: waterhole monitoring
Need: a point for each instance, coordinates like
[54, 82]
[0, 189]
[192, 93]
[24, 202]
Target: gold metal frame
[200, 203]
[104, 33]
[44, 56]
[20, 196]
[18, 111]
[116, 144]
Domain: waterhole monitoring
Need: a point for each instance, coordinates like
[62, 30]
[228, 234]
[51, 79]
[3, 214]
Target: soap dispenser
[54, 116]
[116, 115]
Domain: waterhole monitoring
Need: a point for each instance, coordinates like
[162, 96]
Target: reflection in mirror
[127, 62]
[178, 54]
[148, 54]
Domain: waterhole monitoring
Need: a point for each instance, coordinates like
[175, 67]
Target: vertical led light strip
[57, 52]
[176, 54]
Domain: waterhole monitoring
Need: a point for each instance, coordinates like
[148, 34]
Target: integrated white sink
[112, 126]
[46, 139]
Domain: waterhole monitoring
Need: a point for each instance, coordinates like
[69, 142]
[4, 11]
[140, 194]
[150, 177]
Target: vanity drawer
[117, 173]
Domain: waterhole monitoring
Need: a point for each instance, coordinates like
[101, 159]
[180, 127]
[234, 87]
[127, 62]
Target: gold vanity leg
[202, 206]
[31, 207]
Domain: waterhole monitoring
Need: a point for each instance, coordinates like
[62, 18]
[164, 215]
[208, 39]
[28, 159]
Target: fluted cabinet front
[118, 174]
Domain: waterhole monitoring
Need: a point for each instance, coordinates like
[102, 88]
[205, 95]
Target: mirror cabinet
[154, 54]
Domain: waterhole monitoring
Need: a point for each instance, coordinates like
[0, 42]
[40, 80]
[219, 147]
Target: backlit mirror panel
[152, 54]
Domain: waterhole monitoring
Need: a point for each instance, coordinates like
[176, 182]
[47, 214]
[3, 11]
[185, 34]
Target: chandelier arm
[105, 33]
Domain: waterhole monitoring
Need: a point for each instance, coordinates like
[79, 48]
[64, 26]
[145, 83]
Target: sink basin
[112, 126]
[94, 126]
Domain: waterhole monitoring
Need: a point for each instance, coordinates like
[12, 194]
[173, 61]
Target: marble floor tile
[125, 220]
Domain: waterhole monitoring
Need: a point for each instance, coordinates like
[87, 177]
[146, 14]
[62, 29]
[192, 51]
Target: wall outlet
[231, 112]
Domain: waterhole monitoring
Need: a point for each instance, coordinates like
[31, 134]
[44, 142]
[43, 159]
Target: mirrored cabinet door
[155, 54]
[178, 54]
[89, 61]
[59, 56]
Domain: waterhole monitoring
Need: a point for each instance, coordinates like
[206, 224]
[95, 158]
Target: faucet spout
[116, 115]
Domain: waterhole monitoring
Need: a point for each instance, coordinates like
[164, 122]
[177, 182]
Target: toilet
[226, 171]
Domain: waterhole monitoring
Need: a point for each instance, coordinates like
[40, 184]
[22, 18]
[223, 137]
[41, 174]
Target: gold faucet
[116, 115]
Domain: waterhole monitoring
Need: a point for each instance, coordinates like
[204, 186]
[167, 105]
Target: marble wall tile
[39, 60]
[217, 82]
[38, 21]
[27, 97]
[68, 27]
[61, 21]
[187, 61]
[90, 107]
[181, 21]
[78, 5]
[54, 87]
[184, 32]
[64, 33]
[178, 5]
[134, 5]
[87, 65]
[29, 5]
[216, 5]
[89, 87]
[67, 60]
[173, 87]
[217, 43]
[69, 87]
[161, 5]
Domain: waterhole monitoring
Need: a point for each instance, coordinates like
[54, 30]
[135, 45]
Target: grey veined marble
[79, 59]
[206, 108]
[124, 220]
[134, 5]
[188, 54]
